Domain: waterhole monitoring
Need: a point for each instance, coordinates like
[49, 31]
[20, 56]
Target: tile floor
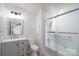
[49, 52]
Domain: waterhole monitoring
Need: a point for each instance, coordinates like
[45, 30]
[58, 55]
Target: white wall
[51, 9]
[29, 29]
[40, 28]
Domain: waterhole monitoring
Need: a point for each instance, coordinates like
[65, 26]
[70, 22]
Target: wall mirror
[15, 27]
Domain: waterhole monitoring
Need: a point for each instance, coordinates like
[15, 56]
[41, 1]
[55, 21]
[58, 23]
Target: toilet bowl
[34, 49]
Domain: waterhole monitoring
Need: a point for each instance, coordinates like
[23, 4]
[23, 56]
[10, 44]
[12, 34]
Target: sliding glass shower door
[62, 33]
[51, 31]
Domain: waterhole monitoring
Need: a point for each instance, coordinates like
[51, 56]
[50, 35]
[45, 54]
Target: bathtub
[68, 52]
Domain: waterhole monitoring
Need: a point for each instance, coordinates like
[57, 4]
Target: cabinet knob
[22, 49]
[17, 43]
[22, 43]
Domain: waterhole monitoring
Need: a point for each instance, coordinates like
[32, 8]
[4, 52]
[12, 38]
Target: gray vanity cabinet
[10, 48]
[15, 48]
[0, 49]
[23, 46]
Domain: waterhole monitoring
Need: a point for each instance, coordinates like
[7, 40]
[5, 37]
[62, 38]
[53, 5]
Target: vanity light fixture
[19, 13]
[16, 13]
[11, 11]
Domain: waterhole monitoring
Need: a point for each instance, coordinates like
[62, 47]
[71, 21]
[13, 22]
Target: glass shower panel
[50, 34]
[62, 33]
[69, 22]
[68, 36]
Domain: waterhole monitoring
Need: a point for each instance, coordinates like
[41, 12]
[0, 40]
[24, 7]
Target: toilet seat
[34, 49]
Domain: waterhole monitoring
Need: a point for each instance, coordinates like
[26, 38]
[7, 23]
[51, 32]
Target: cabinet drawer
[22, 43]
[0, 53]
[22, 54]
[0, 46]
[22, 49]
[0, 49]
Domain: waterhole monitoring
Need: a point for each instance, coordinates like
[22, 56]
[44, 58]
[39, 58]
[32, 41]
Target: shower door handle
[48, 40]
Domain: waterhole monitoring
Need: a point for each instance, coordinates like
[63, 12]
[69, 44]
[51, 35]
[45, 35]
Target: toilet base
[34, 54]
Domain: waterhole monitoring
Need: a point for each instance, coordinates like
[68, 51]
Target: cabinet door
[23, 46]
[10, 49]
[0, 49]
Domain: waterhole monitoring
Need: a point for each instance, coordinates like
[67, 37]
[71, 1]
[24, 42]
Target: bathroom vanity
[16, 47]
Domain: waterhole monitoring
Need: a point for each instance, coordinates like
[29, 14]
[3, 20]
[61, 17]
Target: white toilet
[34, 49]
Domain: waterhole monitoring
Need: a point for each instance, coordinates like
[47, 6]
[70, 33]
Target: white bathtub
[68, 52]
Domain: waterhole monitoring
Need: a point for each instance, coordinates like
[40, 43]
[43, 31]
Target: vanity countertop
[13, 39]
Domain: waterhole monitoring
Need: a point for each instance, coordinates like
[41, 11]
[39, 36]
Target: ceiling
[34, 7]
[30, 7]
